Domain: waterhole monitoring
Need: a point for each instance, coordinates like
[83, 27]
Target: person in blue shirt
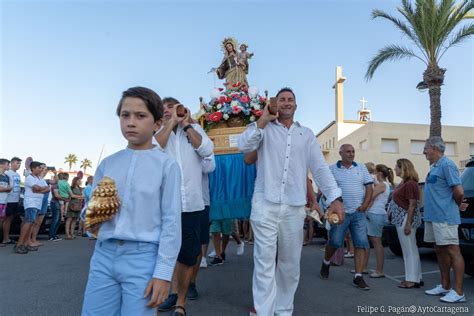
[444, 194]
[136, 251]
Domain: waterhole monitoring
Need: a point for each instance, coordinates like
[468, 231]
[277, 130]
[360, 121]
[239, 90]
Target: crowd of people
[64, 200]
[149, 255]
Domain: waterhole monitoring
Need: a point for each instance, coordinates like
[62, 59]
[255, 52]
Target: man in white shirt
[35, 187]
[286, 150]
[13, 198]
[188, 144]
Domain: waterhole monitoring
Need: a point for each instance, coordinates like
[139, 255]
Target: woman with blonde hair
[405, 215]
[377, 215]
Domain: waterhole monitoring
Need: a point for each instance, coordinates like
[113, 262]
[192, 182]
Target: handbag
[396, 214]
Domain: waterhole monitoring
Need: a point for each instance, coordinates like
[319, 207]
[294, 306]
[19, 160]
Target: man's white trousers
[276, 227]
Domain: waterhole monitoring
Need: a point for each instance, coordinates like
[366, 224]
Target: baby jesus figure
[242, 58]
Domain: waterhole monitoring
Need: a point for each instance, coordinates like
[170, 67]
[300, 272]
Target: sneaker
[223, 256]
[169, 303]
[51, 239]
[376, 275]
[324, 273]
[192, 292]
[216, 261]
[21, 250]
[212, 254]
[348, 255]
[438, 290]
[353, 271]
[203, 263]
[240, 249]
[56, 238]
[453, 297]
[359, 283]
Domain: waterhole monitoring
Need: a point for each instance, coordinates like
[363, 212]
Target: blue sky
[64, 65]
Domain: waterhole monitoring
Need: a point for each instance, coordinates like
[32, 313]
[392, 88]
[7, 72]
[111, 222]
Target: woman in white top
[377, 215]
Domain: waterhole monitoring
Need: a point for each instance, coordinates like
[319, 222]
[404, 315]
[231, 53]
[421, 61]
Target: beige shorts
[441, 234]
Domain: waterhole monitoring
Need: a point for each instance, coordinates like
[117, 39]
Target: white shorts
[441, 234]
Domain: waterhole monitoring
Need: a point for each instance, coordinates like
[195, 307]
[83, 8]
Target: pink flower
[222, 99]
[221, 89]
[262, 99]
[236, 109]
[215, 117]
[245, 99]
[257, 113]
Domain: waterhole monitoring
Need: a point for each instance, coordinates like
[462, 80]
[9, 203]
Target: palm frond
[389, 53]
[457, 13]
[464, 33]
[398, 23]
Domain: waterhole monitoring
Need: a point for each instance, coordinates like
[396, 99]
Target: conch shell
[103, 205]
[333, 218]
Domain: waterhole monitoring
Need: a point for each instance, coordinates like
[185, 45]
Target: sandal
[176, 313]
[404, 285]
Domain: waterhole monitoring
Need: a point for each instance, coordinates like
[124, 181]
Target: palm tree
[70, 159]
[429, 24]
[86, 163]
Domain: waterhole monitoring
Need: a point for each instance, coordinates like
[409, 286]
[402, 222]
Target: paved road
[51, 282]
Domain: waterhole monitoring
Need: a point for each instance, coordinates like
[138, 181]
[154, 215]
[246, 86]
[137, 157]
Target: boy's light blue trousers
[118, 276]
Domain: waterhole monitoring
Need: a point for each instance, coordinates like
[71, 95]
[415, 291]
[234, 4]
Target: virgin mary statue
[230, 68]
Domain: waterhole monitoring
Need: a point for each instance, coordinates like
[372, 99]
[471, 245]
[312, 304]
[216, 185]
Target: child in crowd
[136, 251]
[65, 192]
[35, 187]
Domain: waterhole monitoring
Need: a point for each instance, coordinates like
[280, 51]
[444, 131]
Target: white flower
[256, 106]
[219, 106]
[226, 116]
[235, 103]
[252, 118]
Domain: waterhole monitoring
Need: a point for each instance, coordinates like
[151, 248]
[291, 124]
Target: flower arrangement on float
[232, 107]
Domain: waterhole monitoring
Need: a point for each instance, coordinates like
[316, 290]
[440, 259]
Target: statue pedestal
[225, 139]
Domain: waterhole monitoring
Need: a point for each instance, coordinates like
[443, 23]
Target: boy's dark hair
[170, 100]
[16, 159]
[4, 161]
[35, 164]
[286, 89]
[65, 176]
[151, 99]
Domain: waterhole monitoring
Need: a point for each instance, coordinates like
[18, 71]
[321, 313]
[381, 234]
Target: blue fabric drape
[231, 187]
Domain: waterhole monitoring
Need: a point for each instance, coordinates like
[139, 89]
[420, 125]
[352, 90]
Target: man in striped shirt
[356, 185]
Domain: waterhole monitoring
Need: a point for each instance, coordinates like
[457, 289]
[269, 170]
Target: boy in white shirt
[4, 189]
[13, 198]
[35, 187]
[136, 251]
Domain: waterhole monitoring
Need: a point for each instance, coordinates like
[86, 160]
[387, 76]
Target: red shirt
[405, 192]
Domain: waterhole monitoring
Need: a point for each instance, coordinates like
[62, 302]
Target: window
[389, 145]
[363, 145]
[334, 142]
[417, 147]
[450, 149]
[471, 149]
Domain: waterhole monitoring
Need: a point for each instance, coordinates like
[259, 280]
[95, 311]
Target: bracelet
[185, 129]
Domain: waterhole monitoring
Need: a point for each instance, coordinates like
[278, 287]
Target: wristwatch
[185, 129]
[339, 199]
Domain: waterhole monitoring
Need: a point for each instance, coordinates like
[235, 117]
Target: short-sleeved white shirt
[32, 199]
